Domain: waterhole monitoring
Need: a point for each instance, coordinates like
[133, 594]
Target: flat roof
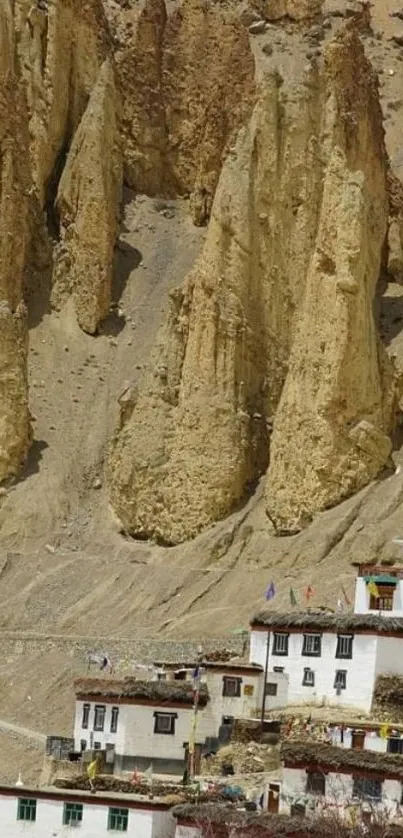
[303, 753]
[237, 666]
[327, 621]
[132, 801]
[129, 690]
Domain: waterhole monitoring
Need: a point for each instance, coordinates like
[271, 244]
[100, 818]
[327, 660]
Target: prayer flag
[372, 589]
[293, 598]
[308, 593]
[271, 591]
[346, 598]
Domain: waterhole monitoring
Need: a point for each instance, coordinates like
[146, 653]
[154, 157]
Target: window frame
[274, 689]
[25, 805]
[383, 602]
[231, 679]
[361, 795]
[309, 653]
[311, 681]
[70, 808]
[396, 741]
[85, 720]
[284, 636]
[114, 719]
[118, 819]
[97, 726]
[341, 640]
[318, 778]
[343, 685]
[172, 716]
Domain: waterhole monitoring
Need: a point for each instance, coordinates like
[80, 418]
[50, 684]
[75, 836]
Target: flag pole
[266, 669]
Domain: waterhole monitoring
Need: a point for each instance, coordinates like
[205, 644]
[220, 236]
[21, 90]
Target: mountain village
[307, 722]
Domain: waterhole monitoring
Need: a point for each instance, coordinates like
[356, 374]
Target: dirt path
[26, 733]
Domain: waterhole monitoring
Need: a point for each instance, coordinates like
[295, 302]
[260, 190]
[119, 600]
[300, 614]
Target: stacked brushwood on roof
[226, 820]
[161, 692]
[330, 621]
[328, 756]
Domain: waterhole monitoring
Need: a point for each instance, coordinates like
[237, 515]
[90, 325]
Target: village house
[235, 688]
[317, 775]
[139, 723]
[49, 812]
[322, 657]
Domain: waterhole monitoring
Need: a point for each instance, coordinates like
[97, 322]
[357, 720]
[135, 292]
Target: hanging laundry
[271, 592]
[384, 731]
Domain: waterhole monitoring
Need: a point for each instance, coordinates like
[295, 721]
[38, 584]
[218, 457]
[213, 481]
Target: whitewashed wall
[135, 734]
[339, 790]
[49, 821]
[360, 669]
[104, 737]
[371, 743]
[389, 659]
[183, 831]
[219, 705]
[140, 739]
[362, 599]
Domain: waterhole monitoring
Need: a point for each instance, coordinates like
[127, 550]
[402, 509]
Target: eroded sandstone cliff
[272, 325]
[14, 224]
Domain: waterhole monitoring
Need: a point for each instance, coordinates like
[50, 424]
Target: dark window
[86, 716]
[395, 745]
[308, 679]
[231, 687]
[340, 679]
[26, 809]
[315, 783]
[114, 719]
[271, 689]
[118, 819]
[312, 645]
[280, 644]
[72, 814]
[298, 810]
[180, 675]
[278, 668]
[97, 746]
[99, 716]
[364, 787]
[83, 745]
[165, 723]
[344, 646]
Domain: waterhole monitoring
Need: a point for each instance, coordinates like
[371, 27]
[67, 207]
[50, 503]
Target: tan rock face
[87, 202]
[64, 50]
[294, 9]
[187, 85]
[331, 428]
[14, 188]
[273, 323]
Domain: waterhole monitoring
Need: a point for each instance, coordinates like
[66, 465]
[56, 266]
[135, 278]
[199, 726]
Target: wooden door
[273, 801]
[357, 740]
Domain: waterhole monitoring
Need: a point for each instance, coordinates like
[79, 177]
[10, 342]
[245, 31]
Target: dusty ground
[64, 566]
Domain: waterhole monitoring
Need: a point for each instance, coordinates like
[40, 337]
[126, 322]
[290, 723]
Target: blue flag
[271, 591]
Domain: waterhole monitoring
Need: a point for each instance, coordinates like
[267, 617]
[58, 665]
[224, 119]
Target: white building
[234, 687]
[140, 723]
[49, 813]
[322, 657]
[316, 774]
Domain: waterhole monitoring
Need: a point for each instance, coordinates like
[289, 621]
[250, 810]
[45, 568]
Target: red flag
[309, 592]
[346, 599]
